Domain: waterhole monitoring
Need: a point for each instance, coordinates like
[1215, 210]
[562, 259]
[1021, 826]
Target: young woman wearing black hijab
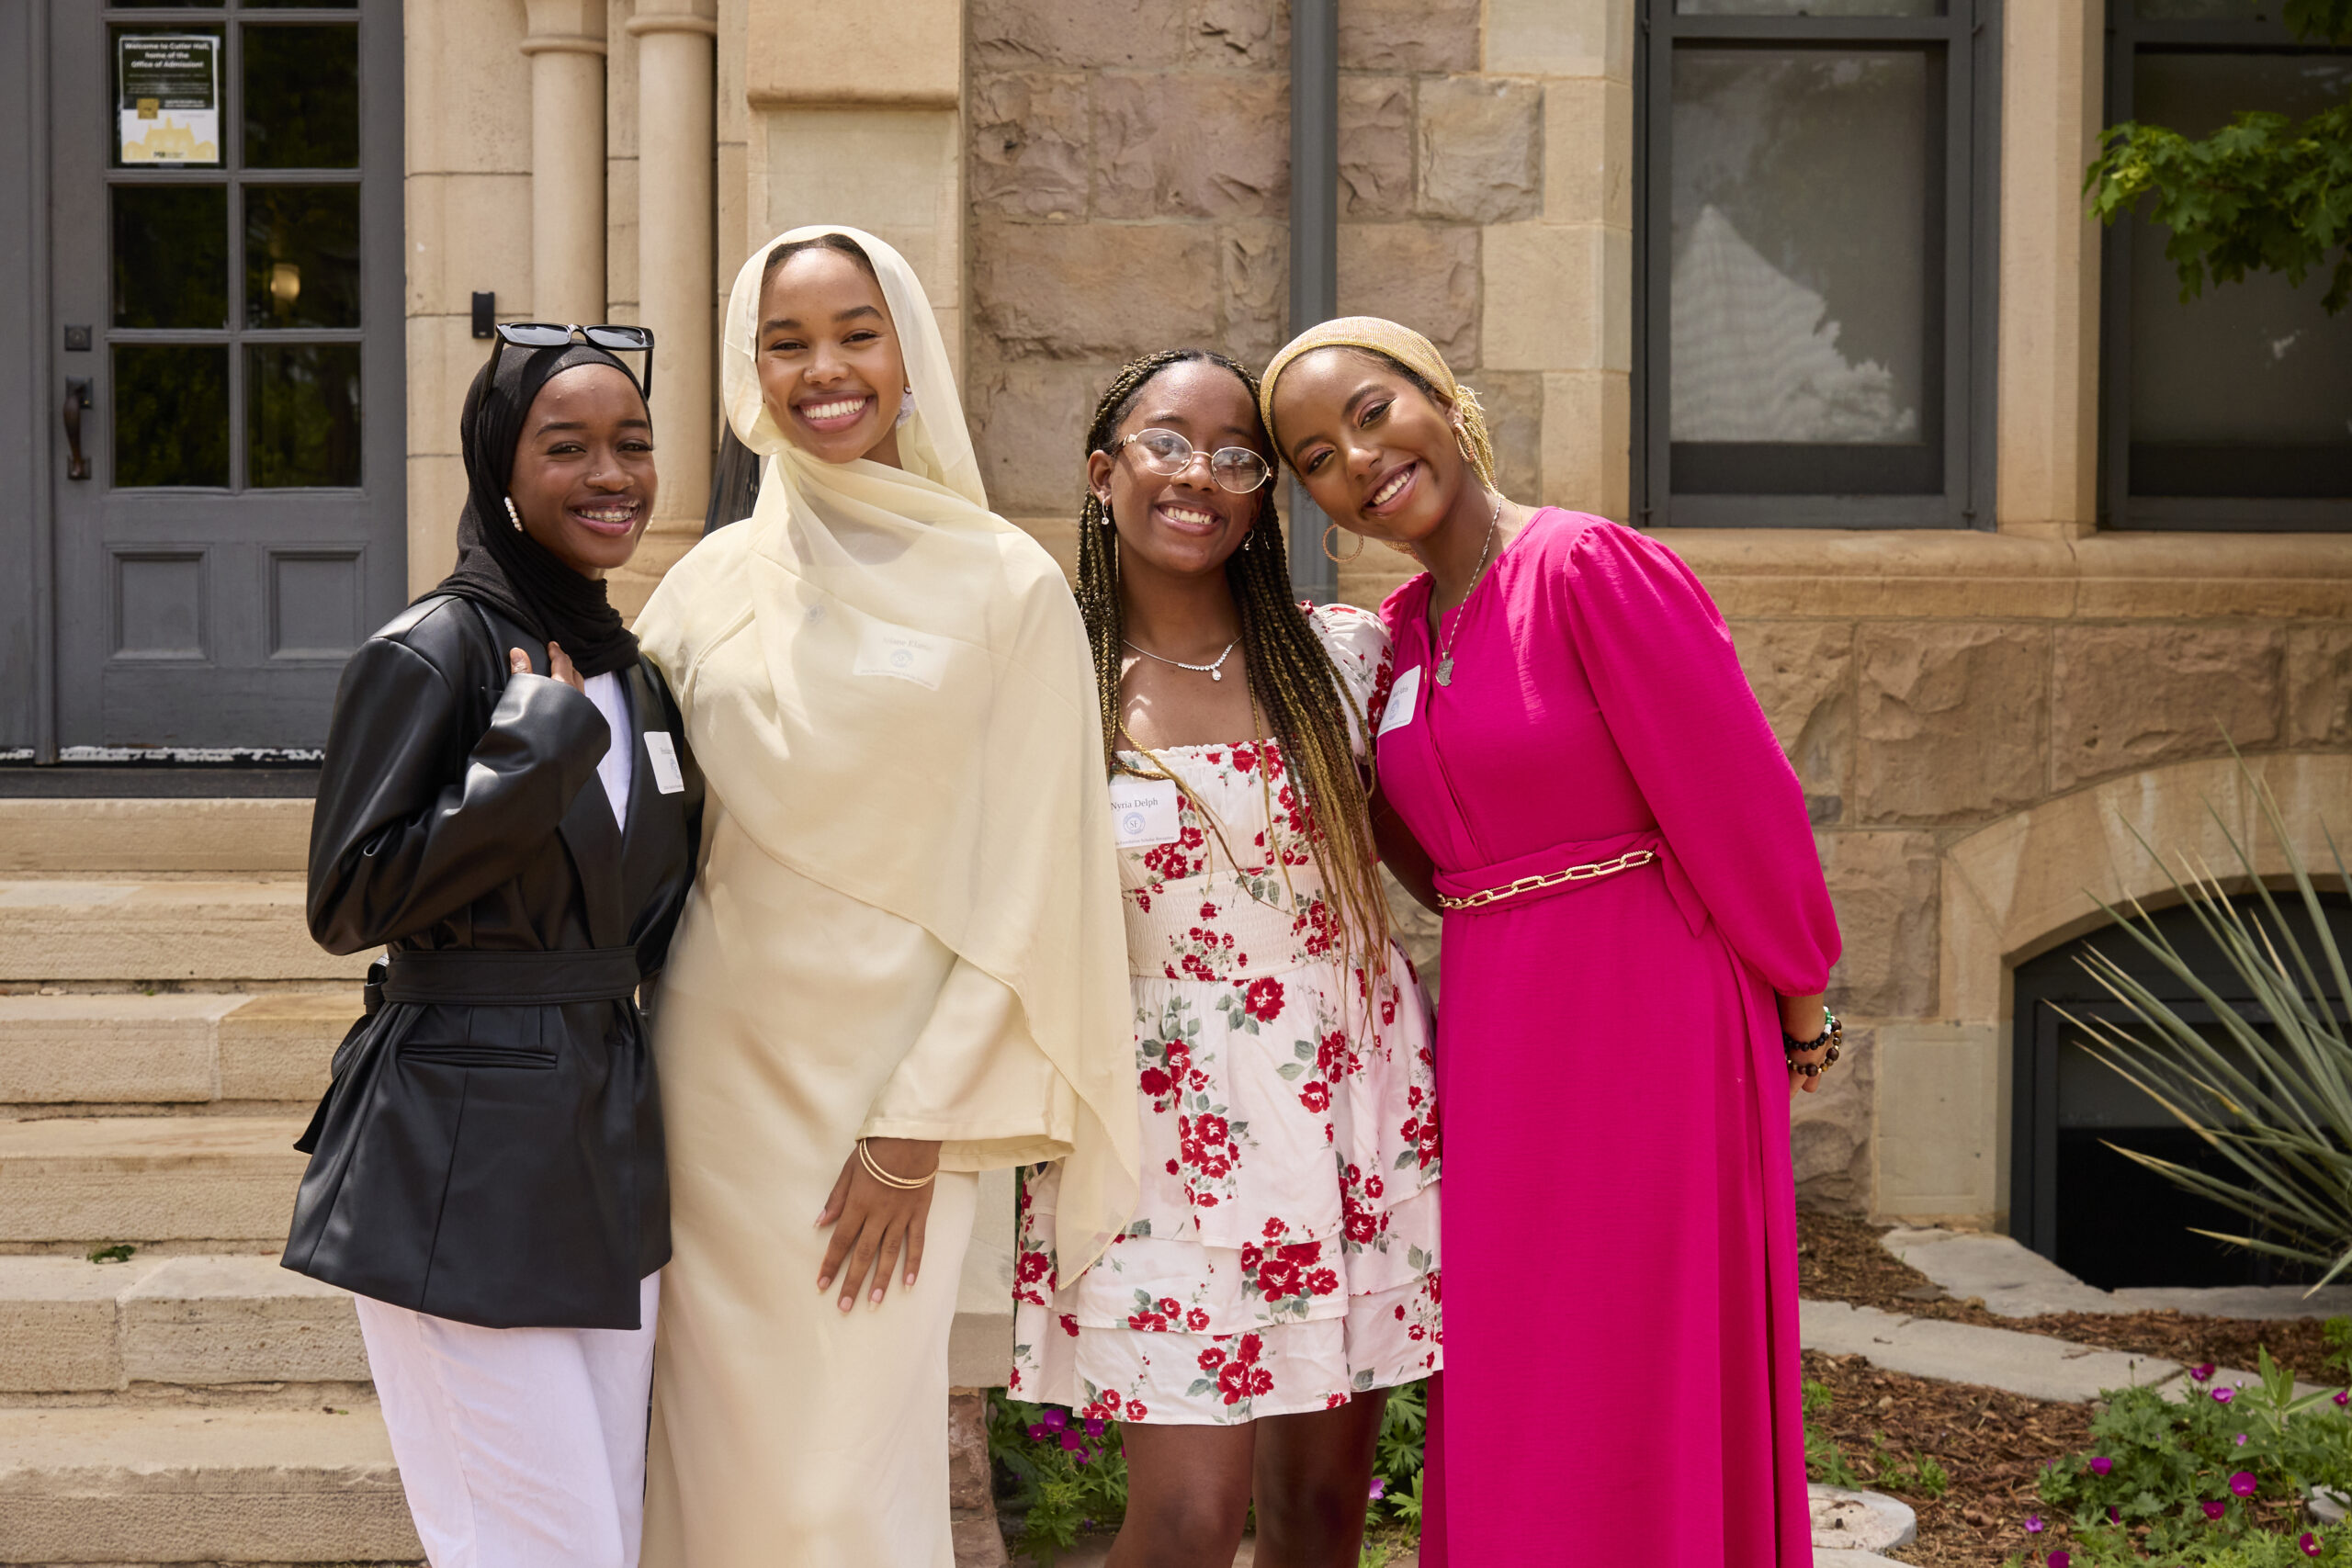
[487, 1168]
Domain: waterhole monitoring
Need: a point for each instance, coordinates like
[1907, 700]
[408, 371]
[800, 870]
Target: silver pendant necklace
[1445, 651]
[1214, 670]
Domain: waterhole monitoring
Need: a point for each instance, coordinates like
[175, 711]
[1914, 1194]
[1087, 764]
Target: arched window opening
[2074, 1198]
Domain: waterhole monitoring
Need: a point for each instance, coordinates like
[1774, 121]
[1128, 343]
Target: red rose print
[1316, 1096]
[1275, 1227]
[1213, 1358]
[1197, 1320]
[1263, 1000]
[1322, 1282]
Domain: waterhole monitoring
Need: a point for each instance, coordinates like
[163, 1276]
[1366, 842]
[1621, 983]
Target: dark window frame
[2119, 509]
[1968, 39]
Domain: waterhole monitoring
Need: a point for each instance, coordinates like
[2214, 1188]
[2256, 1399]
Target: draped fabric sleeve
[1358, 644]
[411, 825]
[977, 1082]
[1669, 687]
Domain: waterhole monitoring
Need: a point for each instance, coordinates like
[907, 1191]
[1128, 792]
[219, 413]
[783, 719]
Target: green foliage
[119, 1253]
[1069, 1476]
[1825, 1462]
[1396, 1455]
[1923, 1477]
[2338, 1330]
[2217, 1478]
[2278, 1111]
[2263, 193]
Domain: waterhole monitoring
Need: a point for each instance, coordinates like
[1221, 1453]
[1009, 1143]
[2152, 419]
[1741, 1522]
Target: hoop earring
[513, 516]
[1329, 529]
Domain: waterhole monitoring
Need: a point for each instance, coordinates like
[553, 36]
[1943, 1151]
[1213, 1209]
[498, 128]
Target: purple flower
[1073, 1442]
[2309, 1543]
[2241, 1439]
[2101, 1465]
[1380, 1489]
[1040, 1431]
[1095, 1426]
[2201, 1371]
[2059, 1559]
[2214, 1510]
[2033, 1524]
[2223, 1395]
[1056, 1419]
[2343, 1397]
[2243, 1484]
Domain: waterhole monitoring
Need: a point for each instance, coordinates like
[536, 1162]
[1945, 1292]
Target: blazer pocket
[496, 1037]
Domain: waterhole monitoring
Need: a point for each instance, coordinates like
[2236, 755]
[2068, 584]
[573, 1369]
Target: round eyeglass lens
[1237, 468]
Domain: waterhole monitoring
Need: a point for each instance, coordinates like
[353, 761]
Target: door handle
[77, 398]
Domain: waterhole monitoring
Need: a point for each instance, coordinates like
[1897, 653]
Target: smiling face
[1185, 525]
[584, 481]
[830, 368]
[1375, 451]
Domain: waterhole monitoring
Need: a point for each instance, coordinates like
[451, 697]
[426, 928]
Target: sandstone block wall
[1129, 188]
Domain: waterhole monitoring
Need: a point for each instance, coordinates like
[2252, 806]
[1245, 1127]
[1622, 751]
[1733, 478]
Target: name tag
[1402, 697]
[663, 752]
[1143, 812]
[909, 655]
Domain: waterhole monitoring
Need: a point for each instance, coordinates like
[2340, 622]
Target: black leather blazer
[490, 1149]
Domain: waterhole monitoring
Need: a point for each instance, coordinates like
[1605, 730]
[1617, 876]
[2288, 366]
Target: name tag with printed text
[1402, 698]
[1144, 812]
[894, 650]
[663, 752]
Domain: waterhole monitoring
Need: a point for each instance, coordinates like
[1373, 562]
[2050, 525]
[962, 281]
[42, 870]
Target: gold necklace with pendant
[1445, 652]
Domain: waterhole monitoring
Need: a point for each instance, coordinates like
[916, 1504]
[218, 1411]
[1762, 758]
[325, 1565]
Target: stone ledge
[151, 1178]
[150, 838]
[1832, 574]
[52, 931]
[113, 1485]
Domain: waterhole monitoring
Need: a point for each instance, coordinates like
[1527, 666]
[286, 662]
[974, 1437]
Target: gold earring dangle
[513, 516]
[1329, 529]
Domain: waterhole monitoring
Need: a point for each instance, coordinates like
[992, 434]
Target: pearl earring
[513, 516]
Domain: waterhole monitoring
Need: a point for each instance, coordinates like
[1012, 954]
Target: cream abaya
[908, 926]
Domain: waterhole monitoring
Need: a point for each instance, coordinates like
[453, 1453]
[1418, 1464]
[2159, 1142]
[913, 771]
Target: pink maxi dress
[1621, 1298]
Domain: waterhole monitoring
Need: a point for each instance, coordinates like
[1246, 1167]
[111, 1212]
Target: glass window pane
[302, 255]
[1798, 293]
[1809, 7]
[2203, 10]
[302, 414]
[2250, 384]
[303, 98]
[171, 415]
[170, 256]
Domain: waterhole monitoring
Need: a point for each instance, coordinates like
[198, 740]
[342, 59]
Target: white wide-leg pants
[519, 1447]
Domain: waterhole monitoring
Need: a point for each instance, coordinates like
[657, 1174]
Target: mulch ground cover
[1991, 1446]
[1840, 1259]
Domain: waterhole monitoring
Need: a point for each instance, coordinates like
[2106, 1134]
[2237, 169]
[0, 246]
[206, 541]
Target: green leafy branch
[2262, 194]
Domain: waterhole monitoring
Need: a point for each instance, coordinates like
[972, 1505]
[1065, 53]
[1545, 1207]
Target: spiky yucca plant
[2281, 1114]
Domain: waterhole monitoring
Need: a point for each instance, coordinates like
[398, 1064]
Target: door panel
[231, 233]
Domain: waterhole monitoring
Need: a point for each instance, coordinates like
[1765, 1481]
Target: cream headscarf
[1407, 348]
[965, 795]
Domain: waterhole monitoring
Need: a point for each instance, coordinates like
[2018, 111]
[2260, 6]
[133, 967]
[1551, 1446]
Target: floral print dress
[1283, 1253]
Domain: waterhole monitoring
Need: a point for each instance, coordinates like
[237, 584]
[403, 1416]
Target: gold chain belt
[1629, 860]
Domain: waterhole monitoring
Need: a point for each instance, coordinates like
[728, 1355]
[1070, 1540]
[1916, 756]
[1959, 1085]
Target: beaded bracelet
[1832, 1032]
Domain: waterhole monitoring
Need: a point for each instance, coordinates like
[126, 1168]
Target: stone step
[251, 930]
[72, 1326]
[136, 837]
[154, 1485]
[185, 1047]
[99, 1180]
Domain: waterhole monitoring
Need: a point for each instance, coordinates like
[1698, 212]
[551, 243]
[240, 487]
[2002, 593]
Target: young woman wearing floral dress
[1281, 1273]
[1636, 939]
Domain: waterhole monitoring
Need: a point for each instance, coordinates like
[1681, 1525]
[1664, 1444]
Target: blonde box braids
[1312, 712]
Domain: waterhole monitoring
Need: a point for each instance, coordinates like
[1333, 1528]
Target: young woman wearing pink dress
[1636, 937]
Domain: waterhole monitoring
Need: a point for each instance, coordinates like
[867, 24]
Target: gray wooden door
[226, 282]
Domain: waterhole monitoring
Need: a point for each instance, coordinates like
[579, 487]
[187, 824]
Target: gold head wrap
[1407, 348]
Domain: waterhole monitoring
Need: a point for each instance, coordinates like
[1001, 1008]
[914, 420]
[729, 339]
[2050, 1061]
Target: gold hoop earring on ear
[1329, 529]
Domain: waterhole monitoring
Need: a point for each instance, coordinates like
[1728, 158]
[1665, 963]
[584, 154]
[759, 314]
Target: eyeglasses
[1165, 453]
[548, 334]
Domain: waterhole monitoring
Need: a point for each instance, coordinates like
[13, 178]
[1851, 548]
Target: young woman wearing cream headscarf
[905, 960]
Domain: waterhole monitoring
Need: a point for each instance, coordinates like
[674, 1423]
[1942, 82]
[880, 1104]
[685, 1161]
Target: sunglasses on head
[548, 334]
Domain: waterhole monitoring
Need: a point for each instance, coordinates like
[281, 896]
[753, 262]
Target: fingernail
[911, 1279]
[874, 1301]
[848, 1301]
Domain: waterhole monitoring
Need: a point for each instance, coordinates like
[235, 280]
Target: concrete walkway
[2015, 1282]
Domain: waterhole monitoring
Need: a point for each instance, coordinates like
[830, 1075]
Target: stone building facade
[1981, 717]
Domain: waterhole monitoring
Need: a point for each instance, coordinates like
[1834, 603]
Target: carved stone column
[676, 222]
[566, 44]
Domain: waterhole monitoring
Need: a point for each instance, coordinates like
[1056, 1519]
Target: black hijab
[498, 564]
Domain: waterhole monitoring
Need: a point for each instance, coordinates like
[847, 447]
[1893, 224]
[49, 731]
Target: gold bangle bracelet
[874, 1169]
